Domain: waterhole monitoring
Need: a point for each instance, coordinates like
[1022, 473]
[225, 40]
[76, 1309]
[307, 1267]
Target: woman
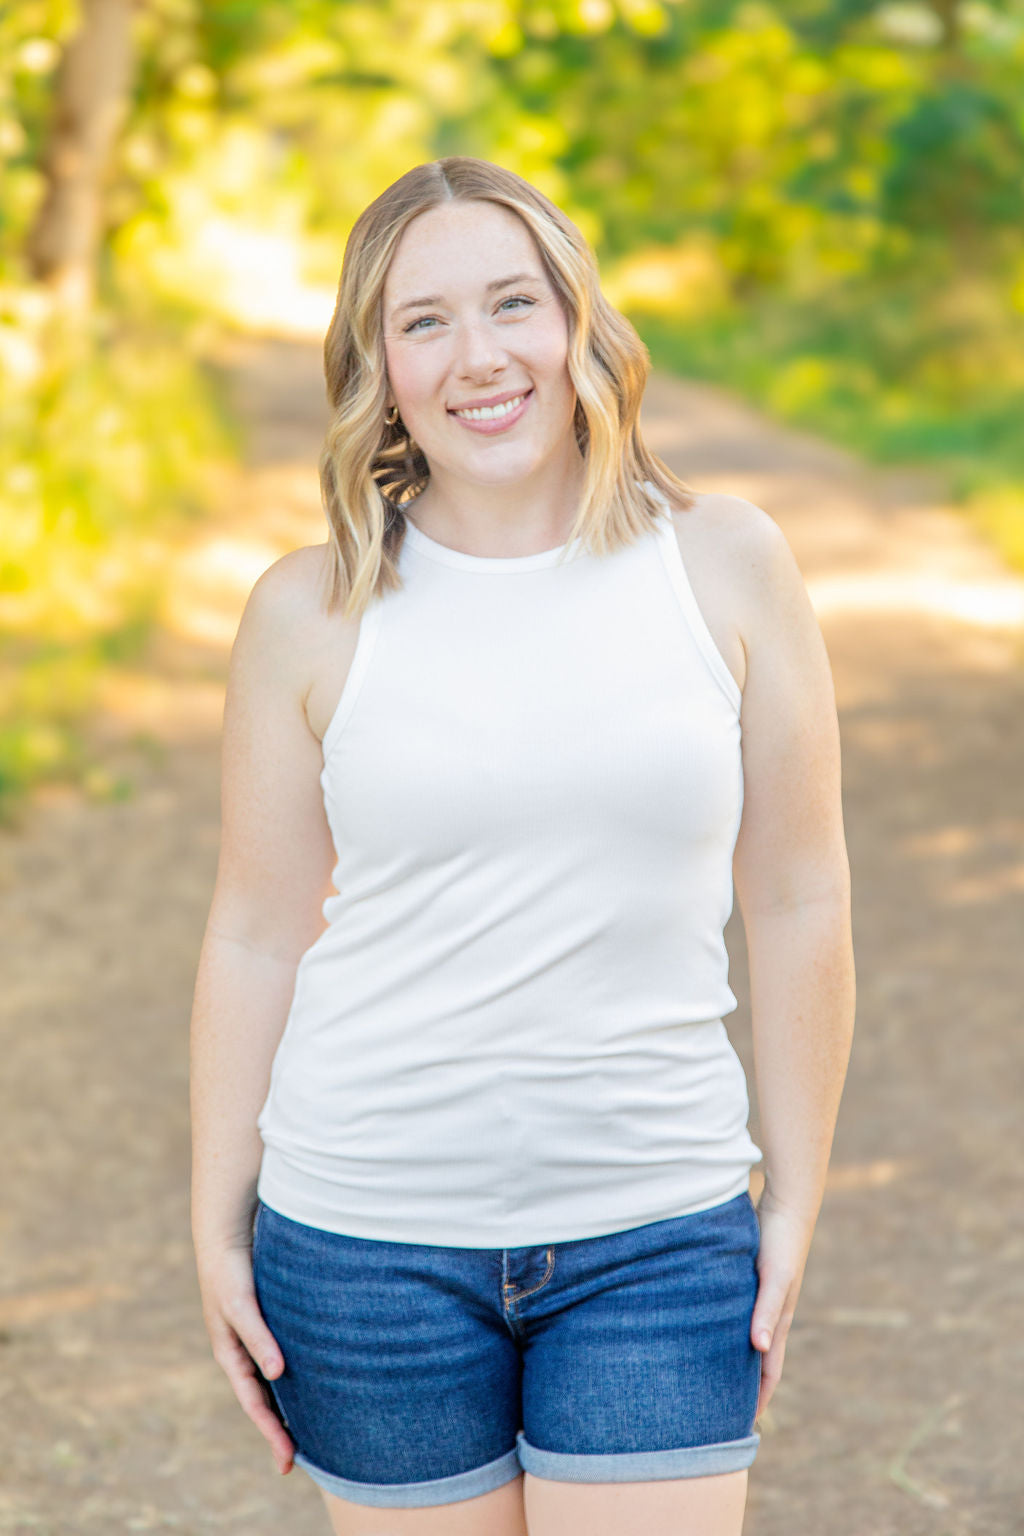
[471, 1158]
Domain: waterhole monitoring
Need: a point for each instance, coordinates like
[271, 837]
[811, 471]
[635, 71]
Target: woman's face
[476, 342]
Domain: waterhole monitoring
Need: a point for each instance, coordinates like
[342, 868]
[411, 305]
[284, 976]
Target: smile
[494, 416]
[489, 412]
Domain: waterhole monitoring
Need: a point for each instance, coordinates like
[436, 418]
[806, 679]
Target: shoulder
[284, 619]
[290, 640]
[291, 590]
[743, 532]
[288, 603]
[742, 573]
[748, 556]
[788, 687]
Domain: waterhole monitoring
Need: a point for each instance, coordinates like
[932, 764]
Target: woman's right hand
[242, 1342]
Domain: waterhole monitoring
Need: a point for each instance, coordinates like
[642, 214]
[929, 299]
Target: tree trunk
[948, 13]
[90, 92]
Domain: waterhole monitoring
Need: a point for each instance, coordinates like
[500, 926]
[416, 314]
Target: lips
[496, 408]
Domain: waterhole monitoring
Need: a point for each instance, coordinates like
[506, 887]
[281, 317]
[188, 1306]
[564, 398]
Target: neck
[533, 514]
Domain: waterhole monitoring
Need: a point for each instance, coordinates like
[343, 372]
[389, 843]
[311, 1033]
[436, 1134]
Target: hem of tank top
[675, 567]
[279, 1198]
[369, 629]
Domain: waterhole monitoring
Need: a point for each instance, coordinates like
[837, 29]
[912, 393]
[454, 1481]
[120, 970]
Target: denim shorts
[418, 1375]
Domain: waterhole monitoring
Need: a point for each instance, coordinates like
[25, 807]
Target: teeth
[489, 412]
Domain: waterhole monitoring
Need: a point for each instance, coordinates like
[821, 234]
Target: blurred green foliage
[819, 201]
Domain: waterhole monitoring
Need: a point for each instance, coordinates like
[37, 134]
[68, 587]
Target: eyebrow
[499, 282]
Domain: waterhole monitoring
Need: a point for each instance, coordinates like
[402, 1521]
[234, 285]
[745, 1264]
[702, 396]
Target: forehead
[465, 241]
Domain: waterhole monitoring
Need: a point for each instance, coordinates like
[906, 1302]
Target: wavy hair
[369, 469]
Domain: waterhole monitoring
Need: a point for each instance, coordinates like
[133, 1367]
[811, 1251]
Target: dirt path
[899, 1414]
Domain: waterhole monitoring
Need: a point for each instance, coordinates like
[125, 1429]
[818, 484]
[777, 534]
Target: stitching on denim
[522, 1295]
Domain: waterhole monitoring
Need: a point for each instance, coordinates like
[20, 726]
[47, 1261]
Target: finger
[771, 1299]
[248, 1323]
[253, 1397]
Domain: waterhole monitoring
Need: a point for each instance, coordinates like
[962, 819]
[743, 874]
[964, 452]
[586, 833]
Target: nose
[479, 354]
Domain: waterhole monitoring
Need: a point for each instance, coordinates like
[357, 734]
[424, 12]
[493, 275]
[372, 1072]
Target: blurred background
[818, 203]
[813, 211]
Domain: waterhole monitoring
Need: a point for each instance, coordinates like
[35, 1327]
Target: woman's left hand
[785, 1242]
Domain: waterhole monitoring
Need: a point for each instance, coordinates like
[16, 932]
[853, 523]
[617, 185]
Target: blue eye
[428, 320]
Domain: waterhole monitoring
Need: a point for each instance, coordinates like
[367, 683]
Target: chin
[490, 469]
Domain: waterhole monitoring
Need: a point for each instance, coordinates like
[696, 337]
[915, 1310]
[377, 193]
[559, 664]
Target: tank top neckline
[500, 564]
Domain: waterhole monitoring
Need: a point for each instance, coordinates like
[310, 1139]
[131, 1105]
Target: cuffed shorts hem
[627, 1467]
[441, 1490]
[638, 1466]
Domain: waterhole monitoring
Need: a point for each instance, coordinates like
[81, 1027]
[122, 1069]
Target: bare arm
[792, 880]
[274, 869]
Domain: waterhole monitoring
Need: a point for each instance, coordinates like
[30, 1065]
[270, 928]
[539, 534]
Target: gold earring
[391, 416]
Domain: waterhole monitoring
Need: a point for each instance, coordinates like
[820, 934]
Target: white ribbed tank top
[511, 1031]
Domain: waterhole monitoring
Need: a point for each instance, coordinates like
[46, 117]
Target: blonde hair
[369, 469]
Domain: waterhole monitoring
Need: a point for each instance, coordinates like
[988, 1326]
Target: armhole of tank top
[705, 642]
[369, 628]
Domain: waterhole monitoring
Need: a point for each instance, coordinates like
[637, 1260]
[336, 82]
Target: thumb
[258, 1339]
[771, 1299]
